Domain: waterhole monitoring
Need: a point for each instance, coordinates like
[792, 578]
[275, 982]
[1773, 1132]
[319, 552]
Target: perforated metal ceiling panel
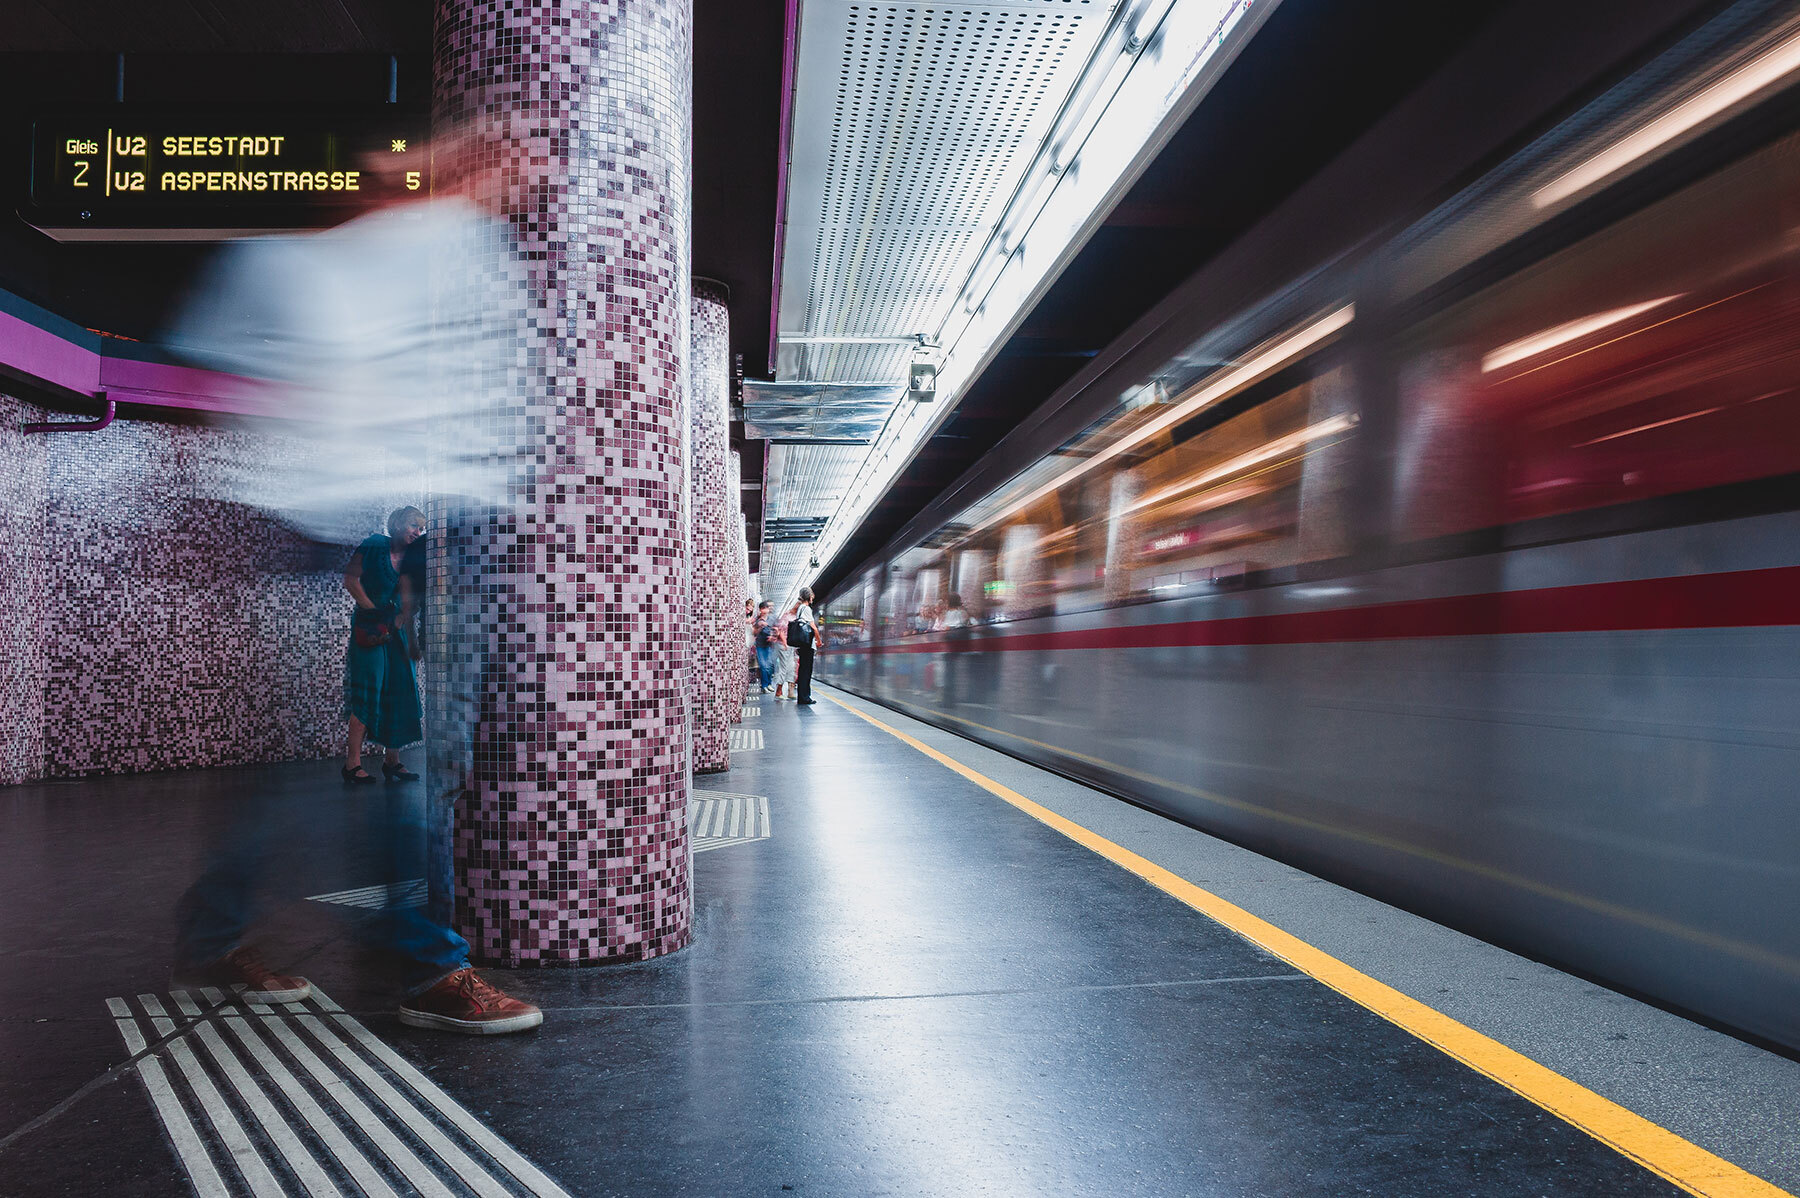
[912, 124]
[783, 563]
[808, 480]
[802, 482]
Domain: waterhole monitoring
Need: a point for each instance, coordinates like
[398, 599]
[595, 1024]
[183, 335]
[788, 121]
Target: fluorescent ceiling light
[1764, 71]
[1562, 334]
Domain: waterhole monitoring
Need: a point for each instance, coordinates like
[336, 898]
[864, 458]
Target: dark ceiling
[327, 52]
[337, 51]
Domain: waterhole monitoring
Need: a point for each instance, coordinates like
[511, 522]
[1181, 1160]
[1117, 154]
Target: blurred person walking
[784, 656]
[391, 333]
[764, 638]
[381, 692]
[804, 636]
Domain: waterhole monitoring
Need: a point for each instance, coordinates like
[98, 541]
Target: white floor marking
[743, 740]
[273, 1124]
[374, 898]
[499, 1149]
[353, 1162]
[717, 818]
[281, 1083]
[188, 1146]
[225, 1124]
[473, 1175]
[423, 1179]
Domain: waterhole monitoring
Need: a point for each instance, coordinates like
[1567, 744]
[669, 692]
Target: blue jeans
[218, 909]
[765, 663]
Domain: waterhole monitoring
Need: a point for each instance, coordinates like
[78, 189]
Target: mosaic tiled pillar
[574, 119]
[716, 604]
[740, 585]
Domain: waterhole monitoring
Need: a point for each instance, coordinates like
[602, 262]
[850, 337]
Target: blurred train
[1458, 563]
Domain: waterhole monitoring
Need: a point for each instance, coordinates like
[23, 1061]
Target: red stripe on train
[1738, 599]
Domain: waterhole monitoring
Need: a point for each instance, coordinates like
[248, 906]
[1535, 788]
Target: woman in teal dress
[381, 696]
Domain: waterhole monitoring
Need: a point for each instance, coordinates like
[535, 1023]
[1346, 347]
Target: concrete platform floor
[906, 987]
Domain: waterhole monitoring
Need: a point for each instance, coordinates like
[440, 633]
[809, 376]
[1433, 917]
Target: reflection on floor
[356, 1118]
[910, 988]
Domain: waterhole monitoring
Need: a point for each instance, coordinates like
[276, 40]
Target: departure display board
[123, 174]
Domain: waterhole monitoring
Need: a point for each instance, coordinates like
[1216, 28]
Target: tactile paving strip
[717, 818]
[743, 740]
[300, 1098]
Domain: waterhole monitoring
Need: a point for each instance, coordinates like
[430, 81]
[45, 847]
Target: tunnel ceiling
[1313, 78]
[912, 127]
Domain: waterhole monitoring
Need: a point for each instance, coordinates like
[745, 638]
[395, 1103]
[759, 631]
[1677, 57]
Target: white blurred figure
[373, 336]
[394, 345]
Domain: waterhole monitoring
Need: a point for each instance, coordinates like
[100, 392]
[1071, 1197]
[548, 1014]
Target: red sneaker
[464, 1002]
[242, 972]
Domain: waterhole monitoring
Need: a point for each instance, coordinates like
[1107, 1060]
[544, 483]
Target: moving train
[1458, 563]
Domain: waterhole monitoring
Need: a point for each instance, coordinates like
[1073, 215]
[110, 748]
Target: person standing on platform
[803, 635]
[381, 694]
[764, 637]
[784, 656]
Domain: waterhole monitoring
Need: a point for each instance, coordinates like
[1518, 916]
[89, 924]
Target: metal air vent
[817, 411]
[793, 528]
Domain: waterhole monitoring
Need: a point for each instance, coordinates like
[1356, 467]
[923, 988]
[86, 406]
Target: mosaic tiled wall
[154, 620]
[718, 637]
[571, 834]
[22, 661]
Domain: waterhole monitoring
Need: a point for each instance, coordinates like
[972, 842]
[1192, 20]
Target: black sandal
[356, 776]
[397, 772]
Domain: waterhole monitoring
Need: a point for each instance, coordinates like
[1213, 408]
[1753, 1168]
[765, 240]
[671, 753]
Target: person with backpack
[803, 635]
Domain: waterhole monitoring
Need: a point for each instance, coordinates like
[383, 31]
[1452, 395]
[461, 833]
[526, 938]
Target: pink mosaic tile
[23, 664]
[572, 605]
[157, 621]
[716, 602]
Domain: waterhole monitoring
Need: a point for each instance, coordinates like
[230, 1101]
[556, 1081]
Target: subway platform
[920, 967]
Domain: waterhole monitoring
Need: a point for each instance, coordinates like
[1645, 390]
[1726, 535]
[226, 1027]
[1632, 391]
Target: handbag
[800, 634]
[374, 629]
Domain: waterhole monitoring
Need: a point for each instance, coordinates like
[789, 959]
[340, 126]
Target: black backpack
[765, 634]
[800, 634]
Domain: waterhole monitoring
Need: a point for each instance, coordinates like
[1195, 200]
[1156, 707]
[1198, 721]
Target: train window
[843, 612]
[1186, 509]
[1658, 356]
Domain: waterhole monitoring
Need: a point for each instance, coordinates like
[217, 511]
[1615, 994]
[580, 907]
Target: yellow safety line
[1656, 1148]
